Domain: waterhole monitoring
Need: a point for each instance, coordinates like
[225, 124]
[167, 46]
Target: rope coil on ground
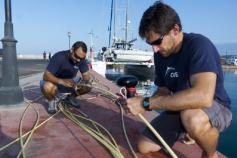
[112, 146]
[170, 151]
[22, 143]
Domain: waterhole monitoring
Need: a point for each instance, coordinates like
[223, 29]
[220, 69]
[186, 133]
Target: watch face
[146, 104]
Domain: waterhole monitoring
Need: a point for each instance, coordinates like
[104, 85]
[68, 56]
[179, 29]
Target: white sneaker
[52, 107]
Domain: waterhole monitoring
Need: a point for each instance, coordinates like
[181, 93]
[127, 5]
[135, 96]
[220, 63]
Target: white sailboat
[122, 50]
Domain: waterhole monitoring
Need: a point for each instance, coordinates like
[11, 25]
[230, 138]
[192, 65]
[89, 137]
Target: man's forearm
[86, 76]
[187, 99]
[161, 91]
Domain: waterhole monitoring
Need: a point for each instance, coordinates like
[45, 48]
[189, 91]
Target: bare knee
[145, 145]
[49, 90]
[195, 121]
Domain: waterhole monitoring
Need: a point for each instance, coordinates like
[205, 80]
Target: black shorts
[168, 124]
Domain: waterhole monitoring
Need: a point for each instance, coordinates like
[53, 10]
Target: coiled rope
[170, 151]
[97, 134]
[111, 146]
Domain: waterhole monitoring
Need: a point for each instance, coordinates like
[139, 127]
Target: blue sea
[228, 139]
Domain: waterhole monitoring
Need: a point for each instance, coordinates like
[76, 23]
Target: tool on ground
[128, 90]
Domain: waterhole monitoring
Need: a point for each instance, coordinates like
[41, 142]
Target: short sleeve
[54, 65]
[83, 67]
[203, 57]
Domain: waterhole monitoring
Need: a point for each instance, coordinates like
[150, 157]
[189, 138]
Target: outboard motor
[130, 83]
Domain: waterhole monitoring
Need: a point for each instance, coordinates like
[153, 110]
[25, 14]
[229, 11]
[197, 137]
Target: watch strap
[146, 104]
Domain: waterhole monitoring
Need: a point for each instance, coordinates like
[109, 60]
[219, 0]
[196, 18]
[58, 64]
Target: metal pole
[126, 23]
[10, 91]
[69, 39]
[69, 42]
[110, 21]
[91, 38]
[114, 20]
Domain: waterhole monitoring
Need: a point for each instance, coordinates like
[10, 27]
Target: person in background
[49, 55]
[62, 75]
[44, 55]
[190, 84]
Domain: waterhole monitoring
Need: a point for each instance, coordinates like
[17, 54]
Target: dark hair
[159, 18]
[80, 44]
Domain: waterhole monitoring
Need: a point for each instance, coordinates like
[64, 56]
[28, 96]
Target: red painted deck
[60, 138]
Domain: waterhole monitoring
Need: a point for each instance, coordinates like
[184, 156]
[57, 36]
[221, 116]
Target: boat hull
[143, 72]
[99, 67]
[133, 55]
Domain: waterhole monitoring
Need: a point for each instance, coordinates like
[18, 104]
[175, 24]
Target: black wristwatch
[146, 104]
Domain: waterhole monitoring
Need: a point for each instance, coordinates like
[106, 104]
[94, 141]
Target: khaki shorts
[169, 125]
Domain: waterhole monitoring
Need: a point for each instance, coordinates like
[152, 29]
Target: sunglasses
[77, 56]
[156, 42]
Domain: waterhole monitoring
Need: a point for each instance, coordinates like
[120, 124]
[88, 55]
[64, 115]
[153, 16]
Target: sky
[43, 25]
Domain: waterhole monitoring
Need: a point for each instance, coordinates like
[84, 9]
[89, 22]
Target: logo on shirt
[171, 72]
[76, 67]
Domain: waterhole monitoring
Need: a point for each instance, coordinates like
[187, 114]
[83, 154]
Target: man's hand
[67, 83]
[83, 88]
[135, 105]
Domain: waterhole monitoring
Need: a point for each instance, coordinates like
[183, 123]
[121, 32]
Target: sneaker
[52, 107]
[72, 101]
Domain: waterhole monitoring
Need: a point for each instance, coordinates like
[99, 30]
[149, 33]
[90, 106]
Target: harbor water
[227, 142]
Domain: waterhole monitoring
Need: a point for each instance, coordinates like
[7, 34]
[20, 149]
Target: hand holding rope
[123, 93]
[170, 151]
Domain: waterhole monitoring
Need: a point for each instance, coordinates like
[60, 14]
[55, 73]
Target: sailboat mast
[126, 22]
[110, 22]
[114, 19]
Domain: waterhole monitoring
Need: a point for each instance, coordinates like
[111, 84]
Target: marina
[97, 125]
[143, 88]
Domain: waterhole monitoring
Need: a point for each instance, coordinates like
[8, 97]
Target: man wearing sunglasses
[190, 90]
[61, 74]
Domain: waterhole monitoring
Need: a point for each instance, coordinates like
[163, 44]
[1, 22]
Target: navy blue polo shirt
[62, 67]
[197, 54]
